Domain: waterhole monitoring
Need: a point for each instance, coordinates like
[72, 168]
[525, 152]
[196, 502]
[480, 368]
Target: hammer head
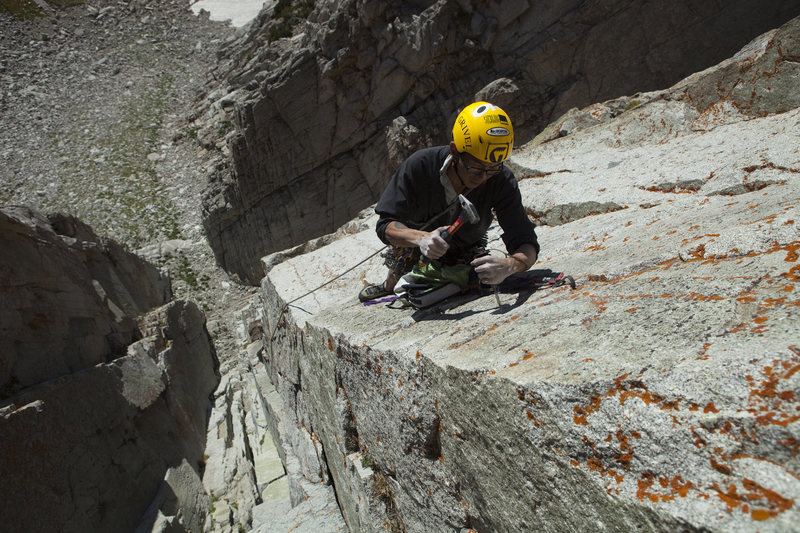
[468, 211]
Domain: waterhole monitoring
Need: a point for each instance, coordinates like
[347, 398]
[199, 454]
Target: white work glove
[493, 270]
[433, 246]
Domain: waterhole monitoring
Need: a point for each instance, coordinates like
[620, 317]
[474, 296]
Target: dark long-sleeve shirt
[415, 194]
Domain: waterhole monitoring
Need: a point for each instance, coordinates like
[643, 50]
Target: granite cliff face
[660, 395]
[105, 385]
[317, 123]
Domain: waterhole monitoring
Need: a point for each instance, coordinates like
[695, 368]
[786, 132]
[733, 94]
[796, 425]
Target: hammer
[468, 215]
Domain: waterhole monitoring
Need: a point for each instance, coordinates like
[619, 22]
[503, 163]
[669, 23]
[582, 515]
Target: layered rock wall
[106, 385]
[71, 297]
[322, 119]
[660, 395]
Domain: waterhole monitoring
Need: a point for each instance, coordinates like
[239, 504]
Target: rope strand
[285, 306]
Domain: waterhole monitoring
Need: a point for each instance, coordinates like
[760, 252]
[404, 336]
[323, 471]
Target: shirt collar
[450, 193]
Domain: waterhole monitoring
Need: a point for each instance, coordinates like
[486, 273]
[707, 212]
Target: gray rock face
[660, 395]
[103, 396]
[322, 119]
[71, 298]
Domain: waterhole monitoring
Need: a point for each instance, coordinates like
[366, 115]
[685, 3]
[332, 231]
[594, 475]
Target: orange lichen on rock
[643, 394]
[579, 417]
[599, 302]
[495, 326]
[680, 487]
[625, 455]
[772, 401]
[595, 465]
[719, 467]
[755, 495]
[703, 352]
[793, 251]
[598, 245]
[532, 418]
[698, 252]
[769, 402]
[625, 393]
[705, 298]
[792, 443]
[645, 484]
[673, 487]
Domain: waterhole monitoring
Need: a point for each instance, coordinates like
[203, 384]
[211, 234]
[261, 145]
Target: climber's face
[475, 173]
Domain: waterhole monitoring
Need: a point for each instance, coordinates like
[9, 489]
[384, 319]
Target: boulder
[312, 126]
[659, 395]
[105, 386]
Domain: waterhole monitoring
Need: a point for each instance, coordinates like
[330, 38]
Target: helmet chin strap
[458, 175]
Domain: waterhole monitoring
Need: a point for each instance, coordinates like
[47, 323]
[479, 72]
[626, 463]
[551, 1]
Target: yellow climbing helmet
[485, 132]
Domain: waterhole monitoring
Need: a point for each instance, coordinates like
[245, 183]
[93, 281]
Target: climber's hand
[432, 245]
[493, 270]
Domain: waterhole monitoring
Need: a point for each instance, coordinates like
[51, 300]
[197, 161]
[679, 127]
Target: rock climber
[420, 202]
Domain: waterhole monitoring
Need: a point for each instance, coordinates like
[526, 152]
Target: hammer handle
[446, 234]
[452, 229]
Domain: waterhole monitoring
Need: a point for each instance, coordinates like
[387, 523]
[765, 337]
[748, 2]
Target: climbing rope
[285, 306]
